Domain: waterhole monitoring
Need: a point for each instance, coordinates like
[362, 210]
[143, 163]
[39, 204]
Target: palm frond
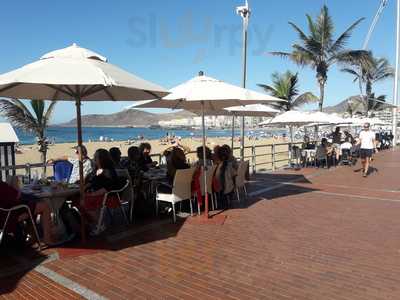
[325, 29]
[49, 112]
[303, 37]
[268, 89]
[304, 99]
[341, 41]
[18, 116]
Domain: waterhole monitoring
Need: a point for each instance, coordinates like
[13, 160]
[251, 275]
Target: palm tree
[286, 86]
[34, 119]
[319, 50]
[367, 73]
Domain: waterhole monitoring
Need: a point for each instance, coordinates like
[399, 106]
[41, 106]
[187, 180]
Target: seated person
[345, 149]
[226, 173]
[196, 185]
[307, 145]
[116, 157]
[325, 151]
[346, 145]
[348, 136]
[87, 164]
[104, 179]
[132, 165]
[176, 161]
[200, 153]
[12, 196]
[145, 160]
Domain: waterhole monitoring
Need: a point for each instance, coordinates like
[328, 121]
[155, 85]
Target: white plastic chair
[240, 179]
[128, 195]
[181, 190]
[16, 208]
[117, 193]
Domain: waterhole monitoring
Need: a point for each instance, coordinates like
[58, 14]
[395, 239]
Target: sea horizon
[62, 134]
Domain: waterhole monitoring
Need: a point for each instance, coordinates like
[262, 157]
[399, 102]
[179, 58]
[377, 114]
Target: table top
[155, 174]
[52, 191]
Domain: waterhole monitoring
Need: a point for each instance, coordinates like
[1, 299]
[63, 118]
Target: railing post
[253, 154]
[273, 157]
[28, 171]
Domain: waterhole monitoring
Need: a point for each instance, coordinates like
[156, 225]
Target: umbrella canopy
[253, 110]
[205, 94]
[76, 74]
[328, 119]
[372, 121]
[292, 118]
[208, 94]
[73, 72]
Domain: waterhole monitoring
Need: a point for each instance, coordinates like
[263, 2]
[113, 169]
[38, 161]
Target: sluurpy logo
[201, 36]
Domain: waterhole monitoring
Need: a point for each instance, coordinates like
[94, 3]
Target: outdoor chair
[295, 156]
[240, 179]
[128, 195]
[9, 211]
[345, 157]
[321, 157]
[111, 200]
[181, 191]
[62, 170]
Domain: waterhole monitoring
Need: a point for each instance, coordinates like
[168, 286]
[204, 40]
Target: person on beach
[367, 144]
[87, 164]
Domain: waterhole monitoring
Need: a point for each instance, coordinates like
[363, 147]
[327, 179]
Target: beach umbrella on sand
[205, 94]
[76, 74]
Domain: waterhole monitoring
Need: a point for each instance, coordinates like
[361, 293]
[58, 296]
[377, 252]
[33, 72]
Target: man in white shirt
[87, 164]
[367, 144]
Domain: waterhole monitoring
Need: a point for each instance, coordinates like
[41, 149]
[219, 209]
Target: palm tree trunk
[368, 92]
[44, 160]
[321, 95]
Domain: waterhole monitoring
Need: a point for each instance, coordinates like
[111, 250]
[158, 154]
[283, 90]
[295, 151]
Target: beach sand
[31, 155]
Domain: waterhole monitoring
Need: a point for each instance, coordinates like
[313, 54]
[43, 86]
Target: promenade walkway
[308, 234]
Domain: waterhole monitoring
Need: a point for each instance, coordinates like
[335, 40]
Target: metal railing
[268, 157]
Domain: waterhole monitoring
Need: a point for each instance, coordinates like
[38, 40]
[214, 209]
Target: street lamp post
[396, 77]
[244, 12]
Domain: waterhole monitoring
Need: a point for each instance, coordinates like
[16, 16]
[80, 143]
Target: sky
[170, 41]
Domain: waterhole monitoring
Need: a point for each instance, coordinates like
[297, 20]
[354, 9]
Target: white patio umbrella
[76, 74]
[251, 110]
[205, 94]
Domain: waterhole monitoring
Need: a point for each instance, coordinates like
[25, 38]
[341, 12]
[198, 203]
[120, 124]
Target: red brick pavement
[332, 235]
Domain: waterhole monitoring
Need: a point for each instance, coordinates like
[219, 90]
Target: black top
[107, 180]
[144, 161]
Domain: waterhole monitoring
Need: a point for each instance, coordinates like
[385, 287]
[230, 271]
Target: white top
[346, 145]
[367, 139]
[87, 169]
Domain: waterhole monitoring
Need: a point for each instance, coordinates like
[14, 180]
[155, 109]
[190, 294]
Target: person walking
[367, 144]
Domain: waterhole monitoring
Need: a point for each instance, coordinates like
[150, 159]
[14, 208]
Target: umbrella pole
[204, 163]
[233, 131]
[81, 179]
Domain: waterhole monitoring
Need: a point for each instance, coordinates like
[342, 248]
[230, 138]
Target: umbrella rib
[59, 89]
[176, 106]
[93, 91]
[109, 94]
[153, 94]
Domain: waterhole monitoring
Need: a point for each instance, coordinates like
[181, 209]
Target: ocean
[68, 134]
